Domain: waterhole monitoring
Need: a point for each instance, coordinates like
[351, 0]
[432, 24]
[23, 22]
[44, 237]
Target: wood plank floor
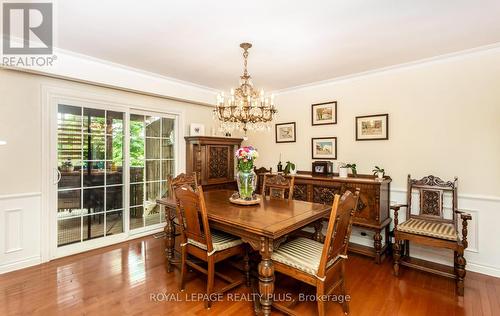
[119, 280]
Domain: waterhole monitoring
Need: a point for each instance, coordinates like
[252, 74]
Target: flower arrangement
[246, 156]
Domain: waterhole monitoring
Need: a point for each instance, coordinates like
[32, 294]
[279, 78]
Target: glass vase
[247, 181]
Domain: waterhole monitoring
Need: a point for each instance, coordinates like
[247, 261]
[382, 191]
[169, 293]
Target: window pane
[153, 170]
[152, 148]
[152, 193]
[71, 176]
[167, 128]
[114, 123]
[114, 223]
[69, 147]
[167, 148]
[164, 188]
[114, 148]
[69, 231]
[93, 173]
[153, 126]
[68, 203]
[94, 121]
[114, 198]
[136, 220]
[93, 226]
[167, 169]
[69, 119]
[114, 173]
[93, 200]
[93, 147]
[136, 194]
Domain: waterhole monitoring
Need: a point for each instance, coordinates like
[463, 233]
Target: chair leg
[183, 267]
[246, 267]
[407, 248]
[460, 272]
[210, 283]
[397, 256]
[320, 291]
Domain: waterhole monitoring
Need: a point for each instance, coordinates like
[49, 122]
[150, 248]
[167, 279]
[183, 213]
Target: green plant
[289, 167]
[67, 164]
[352, 166]
[378, 170]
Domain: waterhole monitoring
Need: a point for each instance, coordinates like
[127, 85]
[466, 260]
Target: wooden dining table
[263, 226]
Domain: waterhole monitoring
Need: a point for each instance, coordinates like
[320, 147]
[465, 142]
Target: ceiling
[295, 42]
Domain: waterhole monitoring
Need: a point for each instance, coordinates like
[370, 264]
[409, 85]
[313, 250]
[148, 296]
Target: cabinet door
[219, 163]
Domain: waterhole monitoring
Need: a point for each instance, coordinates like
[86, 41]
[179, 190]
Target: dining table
[264, 226]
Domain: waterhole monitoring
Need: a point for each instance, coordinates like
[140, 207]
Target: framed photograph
[322, 167]
[324, 148]
[196, 129]
[285, 132]
[324, 113]
[372, 127]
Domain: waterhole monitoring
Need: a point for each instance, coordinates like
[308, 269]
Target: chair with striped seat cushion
[317, 264]
[303, 254]
[429, 228]
[427, 225]
[220, 241]
[198, 240]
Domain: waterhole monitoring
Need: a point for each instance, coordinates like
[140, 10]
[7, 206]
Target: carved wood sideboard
[373, 205]
[212, 158]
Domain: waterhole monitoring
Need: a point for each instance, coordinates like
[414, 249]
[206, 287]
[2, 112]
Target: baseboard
[479, 268]
[21, 264]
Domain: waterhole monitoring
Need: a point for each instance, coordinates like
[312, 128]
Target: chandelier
[245, 108]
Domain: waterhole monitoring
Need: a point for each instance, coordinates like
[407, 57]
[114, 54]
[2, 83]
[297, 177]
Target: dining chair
[198, 240]
[317, 264]
[278, 185]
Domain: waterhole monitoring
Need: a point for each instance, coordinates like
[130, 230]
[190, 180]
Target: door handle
[59, 176]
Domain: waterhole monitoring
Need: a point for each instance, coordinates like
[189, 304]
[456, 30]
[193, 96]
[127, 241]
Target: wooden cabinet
[212, 158]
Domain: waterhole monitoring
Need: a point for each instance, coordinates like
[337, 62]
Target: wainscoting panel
[19, 231]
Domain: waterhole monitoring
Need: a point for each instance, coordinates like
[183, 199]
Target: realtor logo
[32, 24]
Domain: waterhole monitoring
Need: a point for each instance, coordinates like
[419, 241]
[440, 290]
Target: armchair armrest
[396, 208]
[465, 217]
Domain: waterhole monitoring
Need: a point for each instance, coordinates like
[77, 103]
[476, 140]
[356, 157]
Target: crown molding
[397, 67]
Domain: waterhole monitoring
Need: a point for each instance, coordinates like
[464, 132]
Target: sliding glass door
[97, 195]
[152, 163]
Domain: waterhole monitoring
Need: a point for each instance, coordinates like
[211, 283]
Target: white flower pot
[380, 175]
[343, 172]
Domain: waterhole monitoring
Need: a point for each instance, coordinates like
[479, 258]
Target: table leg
[318, 231]
[170, 237]
[266, 276]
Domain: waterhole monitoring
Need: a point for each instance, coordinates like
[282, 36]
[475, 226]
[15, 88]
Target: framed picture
[372, 127]
[324, 148]
[324, 113]
[196, 129]
[285, 132]
[322, 167]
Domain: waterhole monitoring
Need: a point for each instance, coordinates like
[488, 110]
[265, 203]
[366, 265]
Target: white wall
[444, 119]
[21, 171]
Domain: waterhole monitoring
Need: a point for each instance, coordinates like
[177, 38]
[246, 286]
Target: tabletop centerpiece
[246, 177]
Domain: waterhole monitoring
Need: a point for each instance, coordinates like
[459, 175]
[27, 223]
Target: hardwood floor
[126, 279]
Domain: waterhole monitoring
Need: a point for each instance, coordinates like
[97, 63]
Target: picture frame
[196, 129]
[324, 113]
[285, 132]
[324, 148]
[372, 127]
[322, 168]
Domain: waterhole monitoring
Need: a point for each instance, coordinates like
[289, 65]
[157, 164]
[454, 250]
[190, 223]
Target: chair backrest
[192, 212]
[339, 228]
[260, 176]
[181, 179]
[431, 192]
[278, 184]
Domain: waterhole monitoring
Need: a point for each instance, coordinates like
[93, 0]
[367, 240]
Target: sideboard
[373, 206]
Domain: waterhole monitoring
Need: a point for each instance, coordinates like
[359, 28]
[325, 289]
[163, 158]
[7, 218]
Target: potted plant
[289, 168]
[343, 170]
[67, 166]
[246, 177]
[352, 166]
[379, 172]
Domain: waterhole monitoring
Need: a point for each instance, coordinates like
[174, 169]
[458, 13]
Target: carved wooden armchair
[278, 185]
[430, 228]
[260, 172]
